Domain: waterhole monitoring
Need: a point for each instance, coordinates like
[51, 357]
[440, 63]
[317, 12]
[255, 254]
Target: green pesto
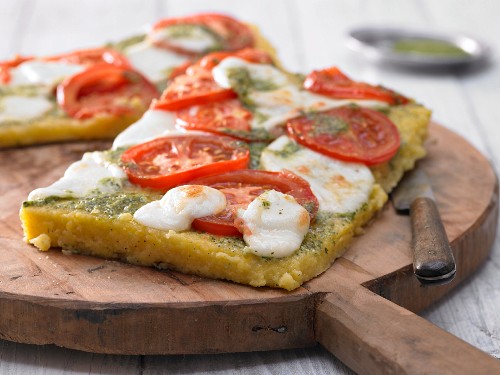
[115, 183]
[348, 216]
[254, 135]
[326, 124]
[266, 204]
[223, 242]
[324, 227]
[242, 82]
[113, 156]
[109, 205]
[255, 152]
[180, 31]
[289, 149]
[260, 117]
[439, 48]
[24, 90]
[122, 45]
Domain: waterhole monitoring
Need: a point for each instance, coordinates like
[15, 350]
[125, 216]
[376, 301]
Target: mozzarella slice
[274, 224]
[180, 206]
[155, 63]
[191, 38]
[90, 176]
[340, 187]
[273, 95]
[152, 124]
[36, 72]
[22, 108]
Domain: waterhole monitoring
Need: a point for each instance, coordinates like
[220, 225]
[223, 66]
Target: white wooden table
[308, 34]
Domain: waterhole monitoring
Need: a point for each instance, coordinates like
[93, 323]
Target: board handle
[375, 336]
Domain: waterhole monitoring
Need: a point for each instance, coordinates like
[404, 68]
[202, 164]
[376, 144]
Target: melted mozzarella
[180, 206]
[152, 124]
[36, 72]
[192, 38]
[274, 224]
[284, 100]
[155, 63]
[21, 108]
[89, 176]
[340, 187]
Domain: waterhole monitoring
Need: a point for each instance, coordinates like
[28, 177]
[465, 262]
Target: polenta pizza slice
[240, 171]
[96, 93]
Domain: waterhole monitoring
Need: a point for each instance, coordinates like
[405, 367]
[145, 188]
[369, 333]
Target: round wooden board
[109, 307]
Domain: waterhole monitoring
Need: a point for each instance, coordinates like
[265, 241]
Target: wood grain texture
[104, 306]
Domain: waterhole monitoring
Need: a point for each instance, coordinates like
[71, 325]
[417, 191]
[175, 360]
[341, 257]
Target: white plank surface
[308, 34]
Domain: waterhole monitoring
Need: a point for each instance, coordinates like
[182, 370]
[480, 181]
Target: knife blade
[433, 261]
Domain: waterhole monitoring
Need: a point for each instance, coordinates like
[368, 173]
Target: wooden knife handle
[432, 254]
[375, 336]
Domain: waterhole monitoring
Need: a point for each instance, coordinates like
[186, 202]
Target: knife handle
[433, 260]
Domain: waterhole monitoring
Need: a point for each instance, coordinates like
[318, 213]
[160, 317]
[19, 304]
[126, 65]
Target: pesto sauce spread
[430, 47]
[242, 82]
[193, 31]
[109, 205]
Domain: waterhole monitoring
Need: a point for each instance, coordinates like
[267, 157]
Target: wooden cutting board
[361, 309]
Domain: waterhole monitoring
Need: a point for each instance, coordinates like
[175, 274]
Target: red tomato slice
[91, 57]
[242, 187]
[335, 84]
[187, 90]
[348, 133]
[170, 161]
[249, 54]
[233, 34]
[225, 117]
[105, 89]
[6, 66]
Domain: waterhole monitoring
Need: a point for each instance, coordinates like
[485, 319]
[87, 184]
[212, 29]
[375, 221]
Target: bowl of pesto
[416, 48]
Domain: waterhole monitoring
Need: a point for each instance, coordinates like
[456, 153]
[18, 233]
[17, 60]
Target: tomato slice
[335, 84]
[249, 54]
[233, 35]
[225, 117]
[242, 187]
[348, 133]
[91, 57]
[187, 90]
[170, 161]
[105, 89]
[6, 66]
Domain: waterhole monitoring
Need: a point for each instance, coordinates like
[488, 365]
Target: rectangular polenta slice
[103, 226]
[50, 123]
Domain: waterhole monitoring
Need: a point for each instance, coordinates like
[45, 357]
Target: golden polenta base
[122, 238]
[95, 231]
[54, 129]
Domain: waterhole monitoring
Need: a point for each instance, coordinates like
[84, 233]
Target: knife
[433, 261]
